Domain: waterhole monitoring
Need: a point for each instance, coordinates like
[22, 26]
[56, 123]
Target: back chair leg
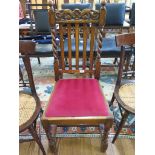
[115, 60]
[127, 65]
[124, 117]
[38, 60]
[35, 136]
[112, 100]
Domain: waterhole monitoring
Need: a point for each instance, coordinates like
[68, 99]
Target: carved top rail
[76, 16]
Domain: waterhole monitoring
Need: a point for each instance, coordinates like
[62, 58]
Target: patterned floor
[44, 82]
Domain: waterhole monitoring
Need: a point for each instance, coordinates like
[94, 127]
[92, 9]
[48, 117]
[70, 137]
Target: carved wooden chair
[77, 101]
[29, 104]
[125, 89]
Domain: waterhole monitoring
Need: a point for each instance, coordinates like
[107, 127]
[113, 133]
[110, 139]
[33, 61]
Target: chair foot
[35, 136]
[124, 117]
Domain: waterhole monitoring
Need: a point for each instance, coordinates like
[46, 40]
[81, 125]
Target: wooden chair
[125, 89]
[77, 101]
[29, 104]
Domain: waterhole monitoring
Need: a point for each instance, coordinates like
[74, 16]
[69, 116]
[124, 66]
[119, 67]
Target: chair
[40, 19]
[115, 16]
[124, 91]
[29, 104]
[77, 101]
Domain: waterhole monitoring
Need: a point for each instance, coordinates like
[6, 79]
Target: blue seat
[115, 13]
[109, 48]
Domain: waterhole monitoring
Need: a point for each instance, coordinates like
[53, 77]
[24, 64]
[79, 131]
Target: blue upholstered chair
[73, 6]
[115, 13]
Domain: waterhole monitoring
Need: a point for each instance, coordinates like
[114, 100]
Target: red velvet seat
[77, 97]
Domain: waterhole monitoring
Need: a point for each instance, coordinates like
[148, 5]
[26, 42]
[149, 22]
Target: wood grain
[80, 146]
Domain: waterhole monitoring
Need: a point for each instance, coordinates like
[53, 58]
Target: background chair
[115, 16]
[125, 89]
[77, 101]
[40, 18]
[29, 104]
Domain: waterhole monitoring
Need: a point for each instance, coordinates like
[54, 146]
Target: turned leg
[104, 137]
[53, 139]
[124, 117]
[35, 136]
[51, 136]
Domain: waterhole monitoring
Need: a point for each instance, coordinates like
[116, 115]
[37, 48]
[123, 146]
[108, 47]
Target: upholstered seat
[109, 48]
[77, 97]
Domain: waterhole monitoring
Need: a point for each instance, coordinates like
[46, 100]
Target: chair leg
[51, 136]
[127, 64]
[35, 136]
[115, 60]
[124, 117]
[38, 60]
[104, 138]
[112, 100]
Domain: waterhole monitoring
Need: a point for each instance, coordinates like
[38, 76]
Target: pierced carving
[76, 14]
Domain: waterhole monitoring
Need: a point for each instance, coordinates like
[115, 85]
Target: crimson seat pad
[77, 97]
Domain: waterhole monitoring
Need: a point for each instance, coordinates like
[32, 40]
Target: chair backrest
[115, 13]
[124, 41]
[69, 22]
[132, 17]
[41, 21]
[25, 49]
[74, 6]
[40, 17]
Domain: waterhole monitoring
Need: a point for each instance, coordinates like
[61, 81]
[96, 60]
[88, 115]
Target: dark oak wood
[74, 23]
[123, 40]
[77, 22]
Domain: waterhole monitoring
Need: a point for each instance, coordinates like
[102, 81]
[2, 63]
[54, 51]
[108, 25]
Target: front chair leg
[104, 137]
[51, 136]
[35, 136]
[53, 140]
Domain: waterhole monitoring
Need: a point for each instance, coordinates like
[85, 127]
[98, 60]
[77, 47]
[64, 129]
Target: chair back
[69, 21]
[124, 41]
[132, 16]
[74, 6]
[115, 13]
[25, 49]
[39, 15]
[41, 21]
